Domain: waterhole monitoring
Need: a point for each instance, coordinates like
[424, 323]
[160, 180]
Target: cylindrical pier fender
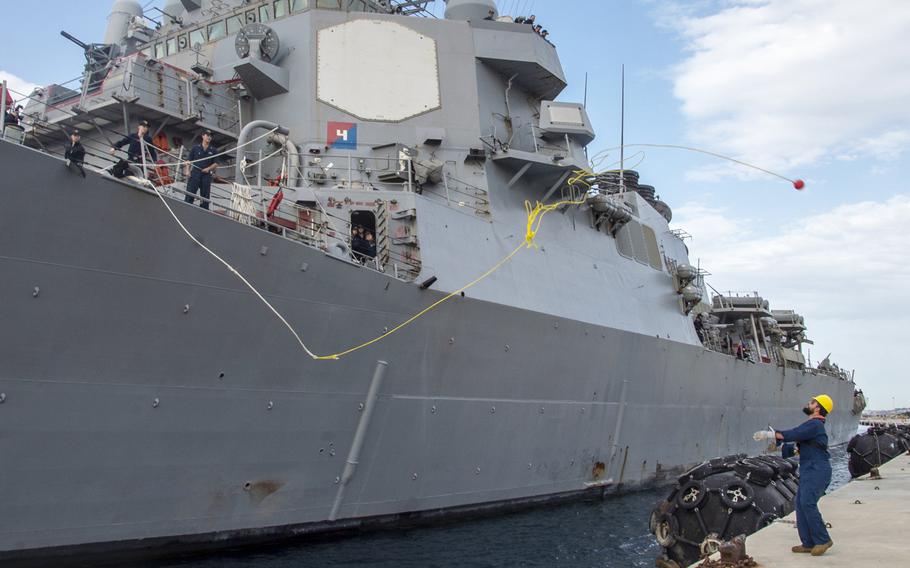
[875, 447]
[719, 499]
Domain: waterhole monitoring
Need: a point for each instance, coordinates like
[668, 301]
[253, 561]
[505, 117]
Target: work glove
[768, 434]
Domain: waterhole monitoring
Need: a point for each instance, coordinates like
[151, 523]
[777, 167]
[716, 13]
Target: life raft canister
[274, 203]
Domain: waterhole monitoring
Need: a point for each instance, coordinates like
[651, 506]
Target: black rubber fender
[754, 470]
[784, 490]
[737, 494]
[709, 468]
[691, 495]
[765, 520]
[665, 530]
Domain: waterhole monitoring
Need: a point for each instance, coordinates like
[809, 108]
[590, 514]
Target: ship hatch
[366, 222]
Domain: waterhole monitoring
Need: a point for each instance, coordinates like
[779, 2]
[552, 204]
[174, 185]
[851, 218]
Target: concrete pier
[869, 520]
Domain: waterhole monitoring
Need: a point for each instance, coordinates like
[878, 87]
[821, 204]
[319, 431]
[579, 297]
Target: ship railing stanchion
[145, 171]
[410, 176]
[359, 436]
[259, 174]
[177, 168]
[3, 110]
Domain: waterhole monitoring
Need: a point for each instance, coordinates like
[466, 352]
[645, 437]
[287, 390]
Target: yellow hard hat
[825, 401]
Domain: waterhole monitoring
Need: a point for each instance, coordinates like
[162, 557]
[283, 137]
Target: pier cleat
[820, 549]
[800, 549]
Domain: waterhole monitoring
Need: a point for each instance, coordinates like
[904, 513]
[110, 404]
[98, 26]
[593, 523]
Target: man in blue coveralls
[814, 473]
[199, 170]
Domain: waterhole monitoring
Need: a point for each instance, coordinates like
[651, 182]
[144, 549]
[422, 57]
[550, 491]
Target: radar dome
[118, 22]
[173, 9]
[470, 9]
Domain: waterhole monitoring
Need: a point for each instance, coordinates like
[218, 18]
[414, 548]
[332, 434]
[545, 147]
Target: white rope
[218, 155]
[242, 202]
[236, 273]
[245, 167]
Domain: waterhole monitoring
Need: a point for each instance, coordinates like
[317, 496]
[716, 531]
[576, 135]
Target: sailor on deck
[134, 151]
[202, 163]
[814, 473]
[74, 154]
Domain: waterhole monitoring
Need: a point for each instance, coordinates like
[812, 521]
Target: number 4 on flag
[342, 135]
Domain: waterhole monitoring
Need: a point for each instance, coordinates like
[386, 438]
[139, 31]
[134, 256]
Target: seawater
[608, 533]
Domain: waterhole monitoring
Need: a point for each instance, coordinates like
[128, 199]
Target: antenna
[585, 102]
[585, 105]
[622, 129]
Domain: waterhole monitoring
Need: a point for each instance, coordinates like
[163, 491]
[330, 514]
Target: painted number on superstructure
[342, 135]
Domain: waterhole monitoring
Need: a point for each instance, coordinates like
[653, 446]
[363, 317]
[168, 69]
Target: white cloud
[845, 270]
[19, 87]
[791, 82]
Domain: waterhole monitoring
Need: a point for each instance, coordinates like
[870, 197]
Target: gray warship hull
[149, 398]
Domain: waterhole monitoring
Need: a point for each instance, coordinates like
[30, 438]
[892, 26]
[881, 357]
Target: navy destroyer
[304, 353]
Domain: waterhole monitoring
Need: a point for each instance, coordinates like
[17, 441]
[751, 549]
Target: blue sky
[813, 89]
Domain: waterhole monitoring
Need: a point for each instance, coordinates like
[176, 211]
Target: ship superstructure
[149, 396]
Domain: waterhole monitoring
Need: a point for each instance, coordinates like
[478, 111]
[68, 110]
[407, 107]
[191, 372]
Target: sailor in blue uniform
[134, 141]
[202, 163]
[814, 473]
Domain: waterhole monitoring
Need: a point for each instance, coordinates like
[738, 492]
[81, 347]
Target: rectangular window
[624, 242]
[265, 13]
[234, 24]
[653, 248]
[298, 5]
[638, 241]
[281, 8]
[147, 52]
[566, 115]
[217, 30]
[332, 4]
[159, 51]
[197, 37]
[172, 46]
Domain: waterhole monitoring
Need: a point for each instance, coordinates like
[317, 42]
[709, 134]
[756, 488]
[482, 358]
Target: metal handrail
[320, 237]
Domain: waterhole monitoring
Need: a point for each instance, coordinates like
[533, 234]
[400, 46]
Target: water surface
[609, 533]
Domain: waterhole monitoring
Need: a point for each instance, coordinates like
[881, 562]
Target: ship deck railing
[290, 219]
[740, 302]
[136, 86]
[263, 11]
[314, 226]
[353, 172]
[310, 224]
